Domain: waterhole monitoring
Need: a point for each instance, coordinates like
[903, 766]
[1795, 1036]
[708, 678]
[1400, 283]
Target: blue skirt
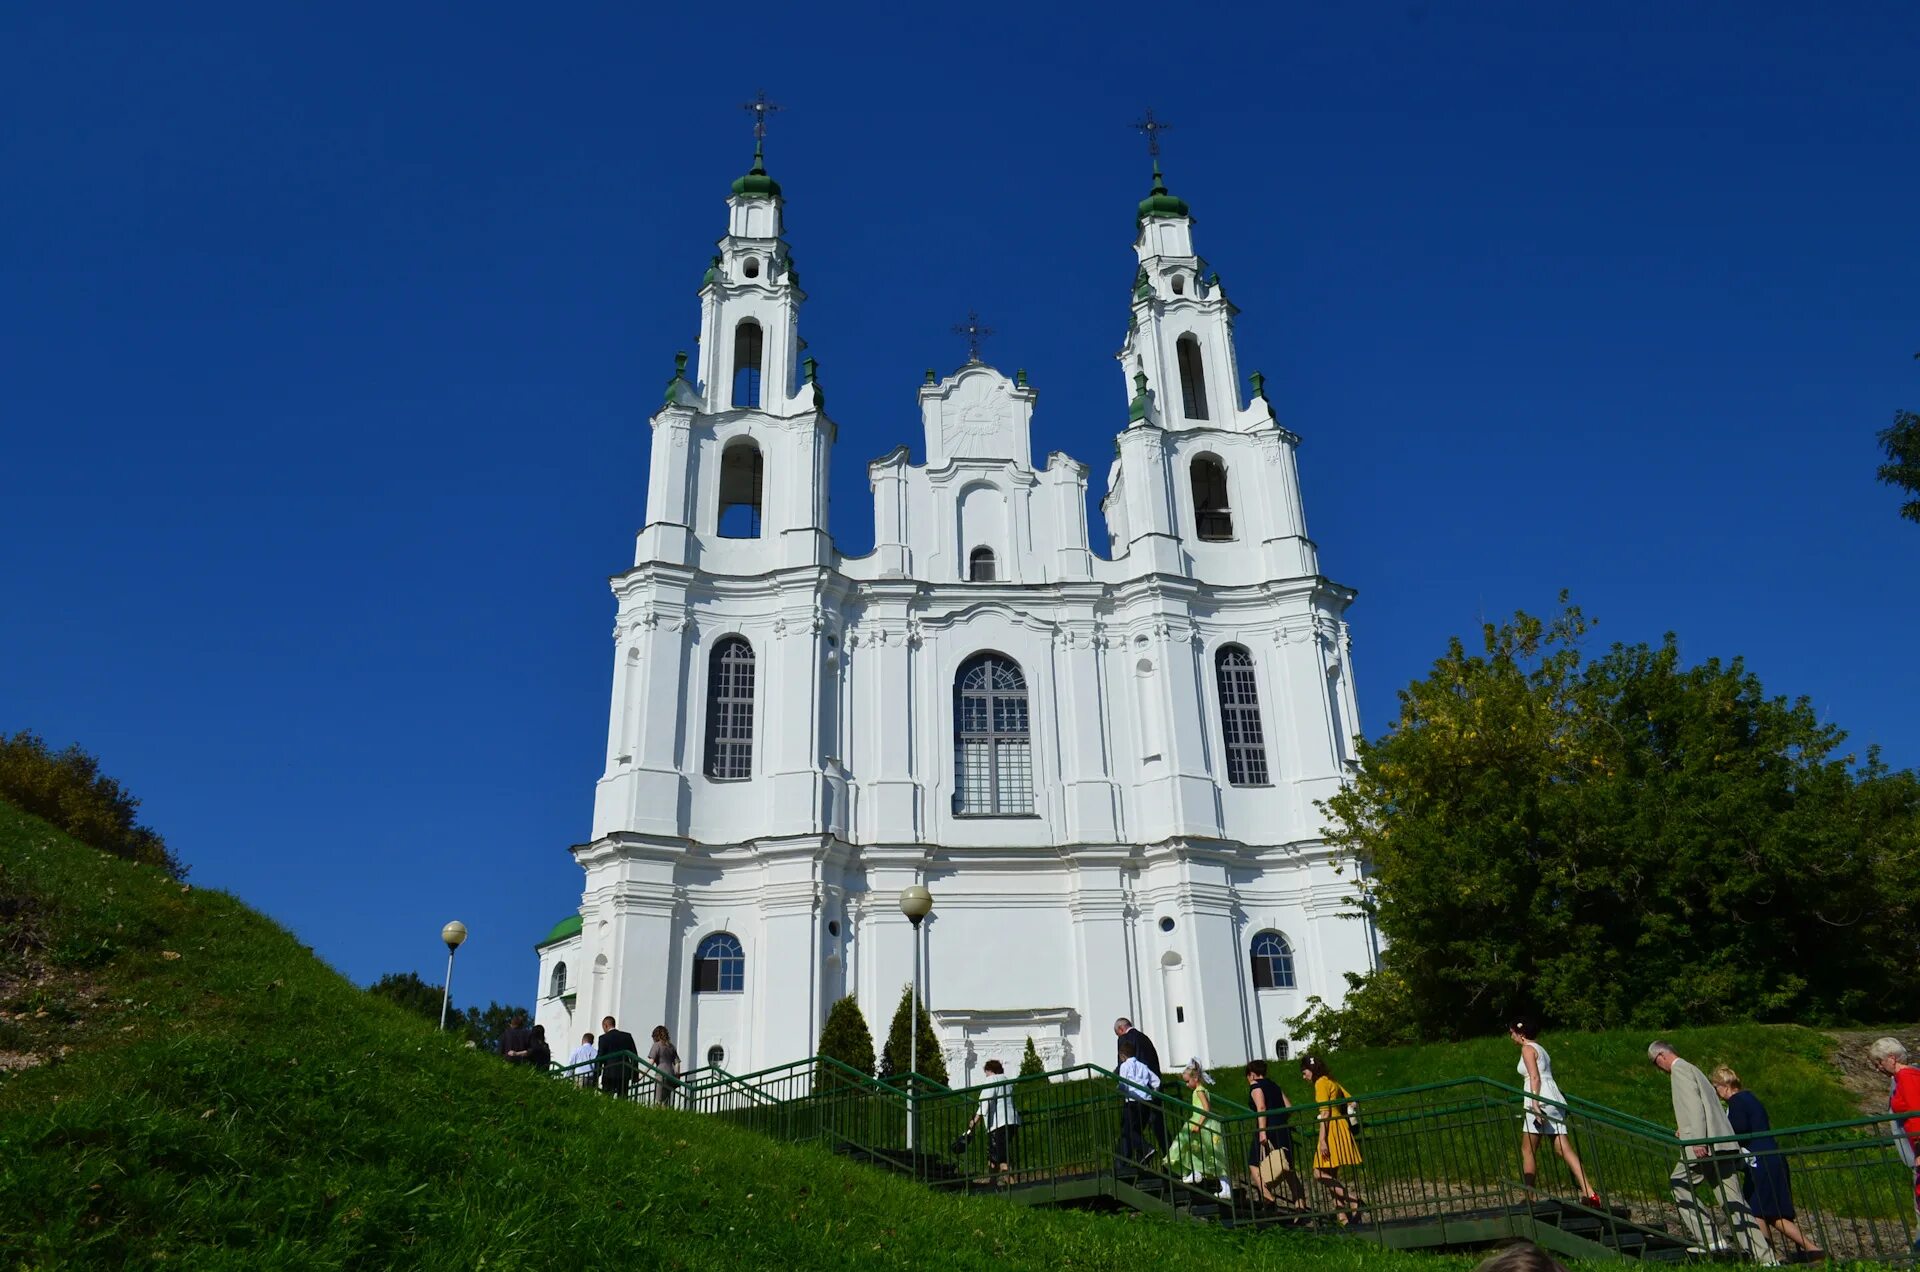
[1769, 1188]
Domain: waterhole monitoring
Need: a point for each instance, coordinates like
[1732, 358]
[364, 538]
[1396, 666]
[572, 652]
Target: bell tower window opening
[730, 711]
[1246, 745]
[1212, 514]
[980, 565]
[1193, 378]
[741, 481]
[746, 363]
[992, 742]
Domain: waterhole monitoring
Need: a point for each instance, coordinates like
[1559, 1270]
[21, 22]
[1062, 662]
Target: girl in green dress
[1200, 1148]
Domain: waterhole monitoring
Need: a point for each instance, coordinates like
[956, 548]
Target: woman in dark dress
[1769, 1186]
[1270, 1156]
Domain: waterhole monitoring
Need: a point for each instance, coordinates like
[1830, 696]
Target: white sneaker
[1226, 1191]
[1193, 1177]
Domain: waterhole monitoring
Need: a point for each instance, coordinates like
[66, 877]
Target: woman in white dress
[1544, 1114]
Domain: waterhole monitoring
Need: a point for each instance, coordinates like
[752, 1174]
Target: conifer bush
[847, 1039]
[933, 1064]
[1031, 1065]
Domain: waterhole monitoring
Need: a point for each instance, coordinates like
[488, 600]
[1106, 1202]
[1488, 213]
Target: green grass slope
[200, 1091]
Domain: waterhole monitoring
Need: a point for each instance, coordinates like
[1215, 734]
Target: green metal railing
[1440, 1162]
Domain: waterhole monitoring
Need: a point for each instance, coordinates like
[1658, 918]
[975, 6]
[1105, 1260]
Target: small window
[741, 481]
[1272, 964]
[1179, 285]
[1179, 1015]
[833, 927]
[716, 1055]
[558, 985]
[752, 267]
[1342, 744]
[730, 710]
[1280, 1049]
[980, 566]
[746, 363]
[1212, 515]
[1240, 717]
[1193, 378]
[720, 965]
[992, 746]
[1166, 925]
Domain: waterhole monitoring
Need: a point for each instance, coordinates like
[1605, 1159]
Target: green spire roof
[569, 926]
[757, 184]
[1158, 202]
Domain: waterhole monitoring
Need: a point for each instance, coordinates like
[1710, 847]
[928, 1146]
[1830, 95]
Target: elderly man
[1146, 1054]
[1705, 1167]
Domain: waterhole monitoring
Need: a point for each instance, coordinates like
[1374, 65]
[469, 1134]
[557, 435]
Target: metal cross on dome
[974, 333]
[761, 108]
[1152, 128]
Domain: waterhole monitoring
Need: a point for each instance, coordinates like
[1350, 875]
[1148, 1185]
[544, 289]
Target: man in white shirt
[1139, 1094]
[582, 1054]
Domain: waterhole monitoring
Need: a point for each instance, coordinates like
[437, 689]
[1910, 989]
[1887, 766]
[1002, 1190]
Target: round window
[1166, 925]
[833, 927]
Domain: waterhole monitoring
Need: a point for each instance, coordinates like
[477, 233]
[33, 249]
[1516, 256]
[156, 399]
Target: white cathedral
[1104, 768]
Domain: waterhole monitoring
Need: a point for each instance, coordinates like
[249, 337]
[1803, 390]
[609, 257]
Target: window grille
[1212, 517]
[720, 965]
[980, 566]
[559, 985]
[1272, 964]
[730, 710]
[992, 747]
[1240, 717]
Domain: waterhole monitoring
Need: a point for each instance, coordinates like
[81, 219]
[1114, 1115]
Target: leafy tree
[846, 1038]
[407, 991]
[895, 1057]
[68, 789]
[484, 1027]
[1626, 841]
[1031, 1065]
[1902, 469]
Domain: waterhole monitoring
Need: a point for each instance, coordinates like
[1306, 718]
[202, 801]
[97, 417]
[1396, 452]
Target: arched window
[1212, 515]
[716, 1056]
[730, 710]
[1272, 963]
[746, 363]
[558, 985]
[1342, 744]
[992, 750]
[980, 566]
[1193, 378]
[740, 483]
[720, 965]
[1240, 717]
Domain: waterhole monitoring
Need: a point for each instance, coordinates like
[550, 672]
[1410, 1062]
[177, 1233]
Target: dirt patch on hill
[1867, 1084]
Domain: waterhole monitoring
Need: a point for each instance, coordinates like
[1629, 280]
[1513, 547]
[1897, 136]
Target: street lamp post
[453, 934]
[916, 903]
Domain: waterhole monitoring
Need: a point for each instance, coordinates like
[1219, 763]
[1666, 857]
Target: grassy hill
[182, 1083]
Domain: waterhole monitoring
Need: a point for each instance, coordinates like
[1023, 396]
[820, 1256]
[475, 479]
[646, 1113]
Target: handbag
[959, 1145]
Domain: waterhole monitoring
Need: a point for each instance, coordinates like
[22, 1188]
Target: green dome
[1158, 202]
[569, 926]
[757, 184]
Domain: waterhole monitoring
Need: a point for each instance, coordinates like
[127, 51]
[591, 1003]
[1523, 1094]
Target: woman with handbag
[1335, 1149]
[1001, 1117]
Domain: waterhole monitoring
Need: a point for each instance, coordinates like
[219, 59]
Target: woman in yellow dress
[1336, 1148]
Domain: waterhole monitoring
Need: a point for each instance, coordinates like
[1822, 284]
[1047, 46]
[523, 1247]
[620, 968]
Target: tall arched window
[558, 985]
[730, 710]
[1272, 962]
[1342, 744]
[740, 484]
[980, 566]
[1240, 717]
[746, 363]
[719, 965]
[1212, 514]
[992, 748]
[1193, 378]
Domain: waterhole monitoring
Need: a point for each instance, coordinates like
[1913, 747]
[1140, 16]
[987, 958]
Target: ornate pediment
[977, 413]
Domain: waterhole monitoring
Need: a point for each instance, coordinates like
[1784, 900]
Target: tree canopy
[482, 1026]
[1902, 446]
[1625, 840]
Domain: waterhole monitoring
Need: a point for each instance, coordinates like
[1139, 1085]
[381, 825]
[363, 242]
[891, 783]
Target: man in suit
[617, 1058]
[1709, 1169]
[1144, 1052]
[516, 1043]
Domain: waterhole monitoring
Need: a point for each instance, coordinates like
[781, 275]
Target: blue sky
[328, 337]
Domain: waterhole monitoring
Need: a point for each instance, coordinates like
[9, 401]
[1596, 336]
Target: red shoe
[1591, 1199]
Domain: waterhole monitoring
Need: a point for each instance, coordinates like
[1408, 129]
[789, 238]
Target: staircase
[1441, 1168]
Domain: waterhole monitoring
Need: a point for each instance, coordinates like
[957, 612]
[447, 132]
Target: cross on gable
[1152, 128]
[761, 108]
[974, 333]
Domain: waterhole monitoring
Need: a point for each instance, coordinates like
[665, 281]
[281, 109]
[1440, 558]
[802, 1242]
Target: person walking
[1705, 1167]
[539, 1054]
[1144, 1051]
[1270, 1156]
[1200, 1149]
[1769, 1185]
[616, 1058]
[665, 1059]
[1889, 1055]
[1139, 1095]
[582, 1054]
[1002, 1118]
[1543, 1114]
[1335, 1149]
[516, 1039]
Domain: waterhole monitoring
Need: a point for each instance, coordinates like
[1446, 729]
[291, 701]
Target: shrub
[68, 789]
[933, 1064]
[847, 1039]
[1031, 1065]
